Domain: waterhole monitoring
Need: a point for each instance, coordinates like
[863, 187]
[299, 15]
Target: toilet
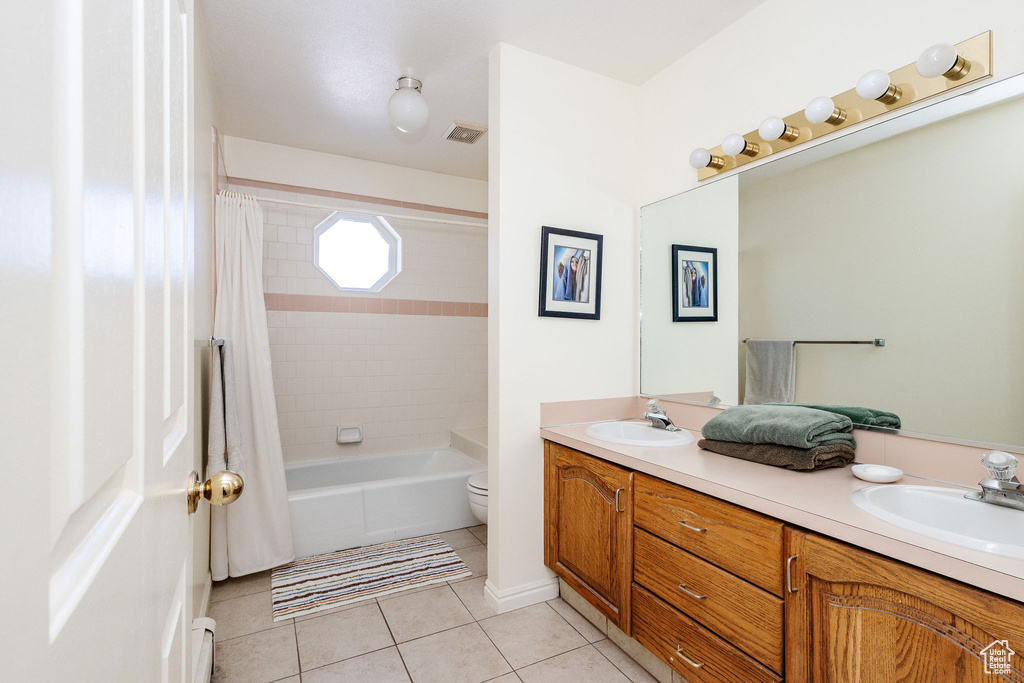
[477, 488]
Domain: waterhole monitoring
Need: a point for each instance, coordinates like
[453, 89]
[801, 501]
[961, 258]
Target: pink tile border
[280, 187]
[365, 304]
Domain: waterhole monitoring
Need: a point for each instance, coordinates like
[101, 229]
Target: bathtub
[365, 499]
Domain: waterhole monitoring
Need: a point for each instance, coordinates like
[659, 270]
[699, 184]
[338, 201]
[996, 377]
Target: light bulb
[824, 110]
[942, 60]
[876, 85]
[774, 128]
[734, 145]
[702, 158]
[407, 108]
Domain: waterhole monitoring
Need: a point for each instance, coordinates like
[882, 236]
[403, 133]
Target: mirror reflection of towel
[771, 371]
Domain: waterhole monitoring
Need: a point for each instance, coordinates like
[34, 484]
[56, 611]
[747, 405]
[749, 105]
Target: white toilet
[477, 488]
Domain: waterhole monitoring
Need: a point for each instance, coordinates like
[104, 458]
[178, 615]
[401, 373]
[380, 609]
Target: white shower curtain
[253, 533]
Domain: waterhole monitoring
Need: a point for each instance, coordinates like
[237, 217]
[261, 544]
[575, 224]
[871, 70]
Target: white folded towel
[771, 371]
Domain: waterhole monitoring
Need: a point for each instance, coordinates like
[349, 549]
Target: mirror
[911, 230]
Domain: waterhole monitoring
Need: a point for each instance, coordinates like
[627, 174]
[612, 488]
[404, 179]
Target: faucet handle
[654, 406]
[1001, 466]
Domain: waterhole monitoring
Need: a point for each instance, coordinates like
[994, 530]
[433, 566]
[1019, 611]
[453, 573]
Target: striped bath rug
[318, 583]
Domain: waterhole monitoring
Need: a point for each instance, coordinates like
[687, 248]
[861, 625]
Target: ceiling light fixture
[407, 108]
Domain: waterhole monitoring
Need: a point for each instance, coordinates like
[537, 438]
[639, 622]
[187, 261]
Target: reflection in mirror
[916, 238]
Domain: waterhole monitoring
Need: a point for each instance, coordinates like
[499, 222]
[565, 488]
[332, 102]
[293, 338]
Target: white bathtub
[350, 502]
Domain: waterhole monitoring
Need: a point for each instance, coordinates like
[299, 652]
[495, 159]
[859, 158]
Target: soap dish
[877, 474]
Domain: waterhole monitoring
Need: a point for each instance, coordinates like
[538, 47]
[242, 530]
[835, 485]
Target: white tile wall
[439, 262]
[408, 379]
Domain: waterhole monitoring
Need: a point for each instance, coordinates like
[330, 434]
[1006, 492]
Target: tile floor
[445, 633]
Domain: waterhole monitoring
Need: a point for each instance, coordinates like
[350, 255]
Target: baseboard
[520, 596]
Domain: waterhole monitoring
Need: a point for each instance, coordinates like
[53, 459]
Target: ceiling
[317, 74]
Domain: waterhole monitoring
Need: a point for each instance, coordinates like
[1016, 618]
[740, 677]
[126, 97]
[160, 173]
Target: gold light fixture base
[222, 488]
[974, 62]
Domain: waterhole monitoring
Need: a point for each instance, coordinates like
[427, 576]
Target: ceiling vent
[460, 131]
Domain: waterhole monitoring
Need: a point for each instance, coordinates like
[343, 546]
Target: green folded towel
[783, 425]
[860, 416]
[800, 459]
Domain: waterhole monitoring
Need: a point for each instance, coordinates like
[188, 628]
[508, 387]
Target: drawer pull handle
[683, 588]
[692, 528]
[617, 492]
[679, 653]
[789, 574]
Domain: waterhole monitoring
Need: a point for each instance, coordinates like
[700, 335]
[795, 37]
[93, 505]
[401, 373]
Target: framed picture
[694, 283]
[570, 274]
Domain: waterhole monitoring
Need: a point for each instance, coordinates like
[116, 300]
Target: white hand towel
[771, 371]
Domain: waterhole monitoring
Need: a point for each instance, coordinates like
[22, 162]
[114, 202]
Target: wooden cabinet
[709, 577]
[706, 586]
[852, 615]
[742, 542]
[588, 528]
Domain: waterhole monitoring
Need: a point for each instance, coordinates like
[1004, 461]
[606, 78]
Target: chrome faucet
[659, 420]
[1001, 487]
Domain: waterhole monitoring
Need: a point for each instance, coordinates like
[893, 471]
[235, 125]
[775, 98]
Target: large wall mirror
[911, 230]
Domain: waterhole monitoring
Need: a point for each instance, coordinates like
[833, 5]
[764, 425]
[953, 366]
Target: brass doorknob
[222, 488]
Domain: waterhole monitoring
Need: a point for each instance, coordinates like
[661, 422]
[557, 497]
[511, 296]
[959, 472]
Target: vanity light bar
[876, 93]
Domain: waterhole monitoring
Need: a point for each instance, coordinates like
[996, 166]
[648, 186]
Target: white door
[95, 376]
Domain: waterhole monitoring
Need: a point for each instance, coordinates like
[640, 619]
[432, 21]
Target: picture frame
[694, 284]
[570, 274]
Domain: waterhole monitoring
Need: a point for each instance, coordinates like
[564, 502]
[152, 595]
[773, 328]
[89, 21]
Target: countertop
[817, 501]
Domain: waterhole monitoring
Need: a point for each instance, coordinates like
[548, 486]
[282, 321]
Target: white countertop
[817, 501]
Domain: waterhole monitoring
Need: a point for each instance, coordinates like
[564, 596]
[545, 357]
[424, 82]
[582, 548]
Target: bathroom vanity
[720, 592]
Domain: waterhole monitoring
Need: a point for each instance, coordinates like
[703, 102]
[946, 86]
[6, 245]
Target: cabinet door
[588, 524]
[852, 615]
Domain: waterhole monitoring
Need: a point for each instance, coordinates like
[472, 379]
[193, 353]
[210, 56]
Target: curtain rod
[874, 342]
[385, 215]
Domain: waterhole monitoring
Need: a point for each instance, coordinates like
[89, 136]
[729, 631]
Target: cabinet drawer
[745, 615]
[740, 541]
[671, 635]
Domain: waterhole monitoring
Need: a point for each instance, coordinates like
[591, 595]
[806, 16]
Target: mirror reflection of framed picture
[570, 274]
[694, 284]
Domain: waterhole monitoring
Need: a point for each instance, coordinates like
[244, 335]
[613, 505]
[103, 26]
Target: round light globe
[408, 110]
[819, 109]
[873, 85]
[700, 158]
[734, 144]
[936, 60]
[771, 128]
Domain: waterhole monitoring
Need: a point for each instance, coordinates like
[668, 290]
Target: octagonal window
[356, 251]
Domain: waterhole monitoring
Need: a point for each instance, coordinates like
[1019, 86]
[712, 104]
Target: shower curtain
[253, 533]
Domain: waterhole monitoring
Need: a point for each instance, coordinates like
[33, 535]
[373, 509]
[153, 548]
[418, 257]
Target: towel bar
[875, 342]
[209, 342]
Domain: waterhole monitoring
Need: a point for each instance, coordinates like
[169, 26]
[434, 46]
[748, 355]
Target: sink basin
[638, 434]
[946, 515]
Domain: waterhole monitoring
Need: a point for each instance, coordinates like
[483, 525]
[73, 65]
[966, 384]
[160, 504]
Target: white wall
[776, 59]
[562, 152]
[291, 166]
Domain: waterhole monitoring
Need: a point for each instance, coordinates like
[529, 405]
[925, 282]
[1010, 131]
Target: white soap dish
[877, 474]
